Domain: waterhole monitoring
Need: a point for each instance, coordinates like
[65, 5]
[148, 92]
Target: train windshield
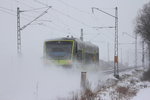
[59, 50]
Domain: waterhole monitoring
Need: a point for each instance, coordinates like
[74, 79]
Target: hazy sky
[68, 17]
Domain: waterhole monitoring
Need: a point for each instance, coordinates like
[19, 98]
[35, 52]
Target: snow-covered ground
[143, 94]
[28, 79]
[126, 88]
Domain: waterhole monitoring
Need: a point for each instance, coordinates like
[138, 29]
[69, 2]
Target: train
[69, 50]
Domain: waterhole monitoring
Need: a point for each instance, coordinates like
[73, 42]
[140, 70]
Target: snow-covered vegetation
[125, 88]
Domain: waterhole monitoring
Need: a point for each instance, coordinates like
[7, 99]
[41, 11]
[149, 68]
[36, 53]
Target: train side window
[76, 48]
[79, 55]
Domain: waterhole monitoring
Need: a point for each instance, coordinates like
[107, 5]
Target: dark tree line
[143, 24]
[143, 29]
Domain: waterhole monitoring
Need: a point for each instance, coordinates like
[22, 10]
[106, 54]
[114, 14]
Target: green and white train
[66, 51]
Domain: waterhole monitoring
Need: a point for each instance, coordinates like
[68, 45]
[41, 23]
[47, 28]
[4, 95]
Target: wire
[62, 13]
[34, 9]
[126, 43]
[95, 36]
[77, 9]
[36, 18]
[24, 4]
[108, 36]
[7, 9]
[44, 25]
[37, 1]
[71, 17]
[8, 12]
[60, 21]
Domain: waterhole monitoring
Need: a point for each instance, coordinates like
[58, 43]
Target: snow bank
[143, 94]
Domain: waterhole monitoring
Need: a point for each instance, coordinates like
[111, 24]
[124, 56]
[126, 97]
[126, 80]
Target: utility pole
[37, 91]
[128, 58]
[108, 51]
[116, 68]
[121, 57]
[81, 37]
[18, 32]
[19, 28]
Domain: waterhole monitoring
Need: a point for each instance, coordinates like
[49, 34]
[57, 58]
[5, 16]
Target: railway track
[111, 71]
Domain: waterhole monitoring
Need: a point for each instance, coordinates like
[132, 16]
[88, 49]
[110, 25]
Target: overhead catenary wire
[58, 20]
[36, 18]
[62, 13]
[8, 12]
[62, 22]
[55, 24]
[24, 4]
[31, 16]
[94, 37]
[7, 9]
[66, 15]
[27, 5]
[77, 9]
[11, 12]
[37, 1]
[59, 13]
[54, 29]
[126, 43]
[34, 9]
[73, 7]
[70, 17]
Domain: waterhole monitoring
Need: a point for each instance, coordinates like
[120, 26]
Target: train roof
[63, 38]
[85, 43]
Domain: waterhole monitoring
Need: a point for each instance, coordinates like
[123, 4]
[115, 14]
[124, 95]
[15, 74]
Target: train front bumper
[58, 62]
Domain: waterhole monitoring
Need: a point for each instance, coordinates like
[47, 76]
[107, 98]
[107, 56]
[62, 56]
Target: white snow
[143, 94]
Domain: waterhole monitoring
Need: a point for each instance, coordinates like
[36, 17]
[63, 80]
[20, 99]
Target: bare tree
[143, 29]
[143, 25]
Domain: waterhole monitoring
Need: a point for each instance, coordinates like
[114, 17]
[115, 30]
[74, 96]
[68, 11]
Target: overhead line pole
[116, 68]
[81, 38]
[108, 51]
[19, 29]
[18, 32]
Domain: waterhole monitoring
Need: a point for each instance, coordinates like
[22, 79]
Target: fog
[25, 77]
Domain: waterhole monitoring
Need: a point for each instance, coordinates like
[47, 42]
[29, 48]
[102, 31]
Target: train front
[59, 52]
